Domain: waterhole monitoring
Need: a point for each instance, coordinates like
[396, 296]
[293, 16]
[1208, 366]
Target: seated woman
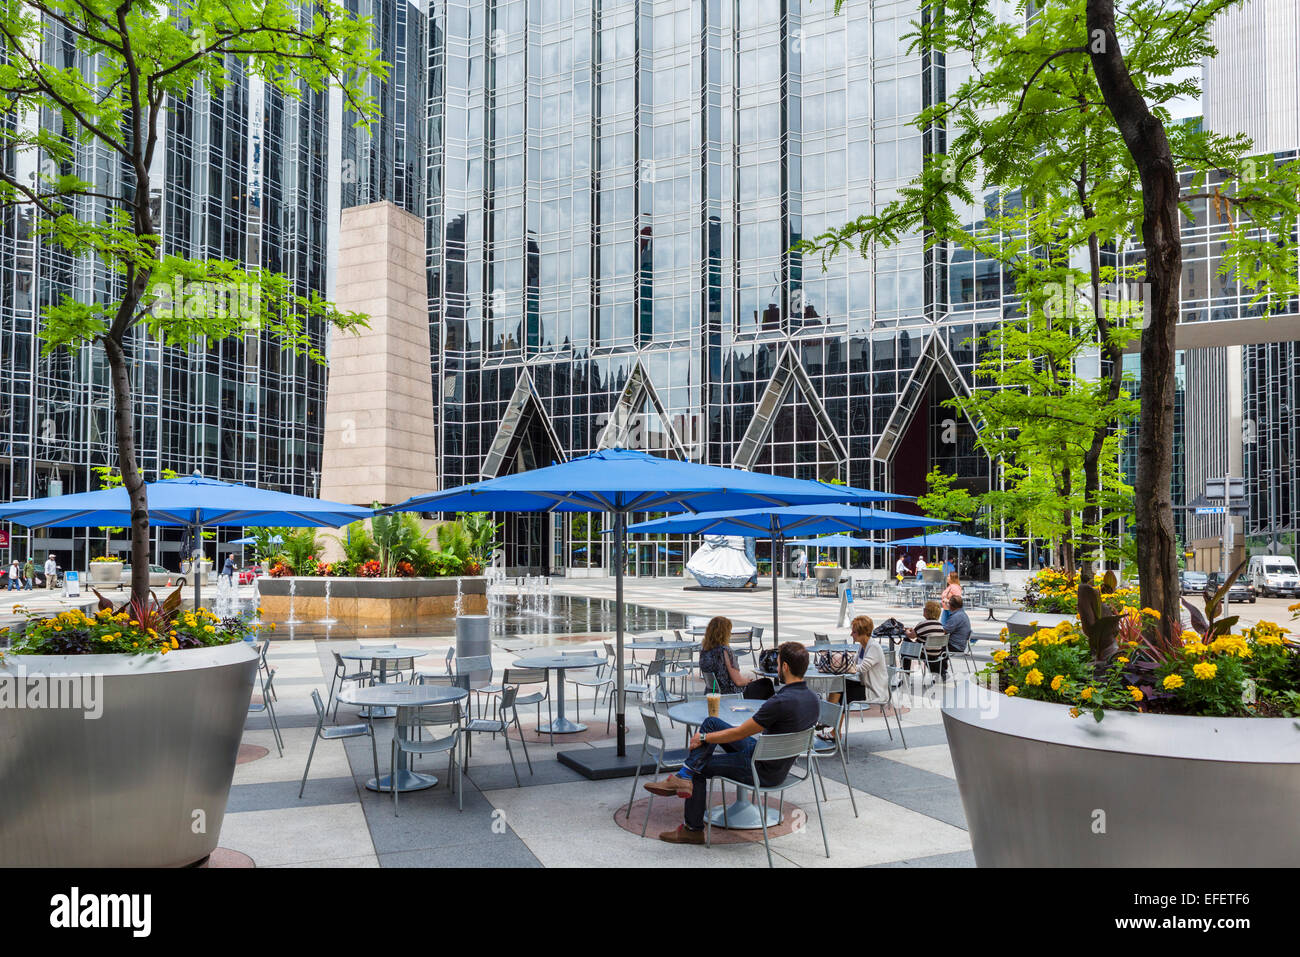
[935, 637]
[950, 591]
[871, 669]
[718, 664]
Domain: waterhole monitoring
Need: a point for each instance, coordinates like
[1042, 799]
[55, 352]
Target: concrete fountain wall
[371, 601]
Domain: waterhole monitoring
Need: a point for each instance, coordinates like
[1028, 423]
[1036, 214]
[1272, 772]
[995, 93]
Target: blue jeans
[704, 764]
[13, 583]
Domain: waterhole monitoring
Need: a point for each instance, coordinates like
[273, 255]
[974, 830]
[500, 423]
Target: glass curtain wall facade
[244, 175]
[614, 186]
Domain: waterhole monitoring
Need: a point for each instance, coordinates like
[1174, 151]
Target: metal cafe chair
[504, 714]
[532, 676]
[886, 704]
[833, 714]
[267, 705]
[408, 738]
[341, 677]
[602, 680]
[653, 745]
[772, 747]
[479, 670]
[365, 729]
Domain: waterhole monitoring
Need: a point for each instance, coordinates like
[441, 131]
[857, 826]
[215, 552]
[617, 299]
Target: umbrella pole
[776, 622]
[196, 565]
[620, 539]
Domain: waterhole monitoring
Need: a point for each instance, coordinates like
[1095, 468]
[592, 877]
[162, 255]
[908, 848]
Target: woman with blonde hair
[951, 590]
[718, 664]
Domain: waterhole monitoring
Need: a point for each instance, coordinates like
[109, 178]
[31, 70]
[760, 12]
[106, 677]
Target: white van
[1274, 575]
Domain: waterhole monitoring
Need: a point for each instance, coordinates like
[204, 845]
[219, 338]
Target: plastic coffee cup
[715, 701]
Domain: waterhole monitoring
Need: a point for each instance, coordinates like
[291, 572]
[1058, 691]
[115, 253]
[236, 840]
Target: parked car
[1240, 590]
[1274, 575]
[246, 575]
[158, 577]
[1192, 583]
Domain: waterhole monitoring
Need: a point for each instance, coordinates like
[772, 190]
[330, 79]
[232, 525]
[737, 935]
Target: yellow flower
[1012, 691]
[1057, 682]
[1135, 693]
[1122, 660]
[1172, 681]
[1000, 655]
[1151, 611]
[1075, 712]
[1205, 670]
[1086, 693]
[1028, 658]
[1035, 677]
[175, 643]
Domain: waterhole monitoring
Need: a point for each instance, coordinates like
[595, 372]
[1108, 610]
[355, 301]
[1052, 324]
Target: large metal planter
[1042, 789]
[145, 783]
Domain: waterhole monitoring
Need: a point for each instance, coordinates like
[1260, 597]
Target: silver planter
[1043, 789]
[145, 783]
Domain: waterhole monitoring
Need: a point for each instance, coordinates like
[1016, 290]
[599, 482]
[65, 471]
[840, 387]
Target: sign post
[1225, 489]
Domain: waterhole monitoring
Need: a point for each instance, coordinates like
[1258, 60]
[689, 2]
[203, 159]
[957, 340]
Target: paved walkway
[910, 812]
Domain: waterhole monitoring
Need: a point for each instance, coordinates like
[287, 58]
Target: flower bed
[1056, 592]
[126, 632]
[1255, 674]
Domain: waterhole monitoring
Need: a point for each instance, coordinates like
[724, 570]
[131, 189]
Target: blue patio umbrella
[247, 540]
[189, 502]
[623, 481]
[956, 540]
[839, 541]
[776, 522]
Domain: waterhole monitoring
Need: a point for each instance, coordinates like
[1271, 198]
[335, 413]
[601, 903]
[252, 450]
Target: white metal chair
[532, 676]
[341, 677]
[504, 715]
[772, 747]
[408, 738]
[323, 733]
[653, 745]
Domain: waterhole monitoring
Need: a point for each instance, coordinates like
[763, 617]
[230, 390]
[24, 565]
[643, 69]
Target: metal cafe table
[741, 814]
[381, 697]
[659, 644]
[559, 664]
[383, 655]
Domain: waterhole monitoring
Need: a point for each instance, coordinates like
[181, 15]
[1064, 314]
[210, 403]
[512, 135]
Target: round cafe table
[831, 646]
[382, 655]
[742, 814]
[559, 664]
[392, 696]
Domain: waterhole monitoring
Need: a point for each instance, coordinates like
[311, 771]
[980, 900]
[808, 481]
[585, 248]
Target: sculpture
[722, 562]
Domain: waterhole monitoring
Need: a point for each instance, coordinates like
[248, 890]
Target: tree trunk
[1144, 136]
[123, 424]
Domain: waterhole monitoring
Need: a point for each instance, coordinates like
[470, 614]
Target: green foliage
[358, 547]
[299, 550]
[944, 501]
[482, 533]
[264, 548]
[137, 59]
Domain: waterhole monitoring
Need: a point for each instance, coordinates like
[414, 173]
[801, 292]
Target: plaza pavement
[909, 807]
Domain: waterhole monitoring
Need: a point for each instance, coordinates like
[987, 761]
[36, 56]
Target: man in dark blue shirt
[793, 708]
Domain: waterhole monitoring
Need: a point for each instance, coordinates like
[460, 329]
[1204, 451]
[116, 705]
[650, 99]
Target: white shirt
[49, 566]
[920, 564]
[901, 567]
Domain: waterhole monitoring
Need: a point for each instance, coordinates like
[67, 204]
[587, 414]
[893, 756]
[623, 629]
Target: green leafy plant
[299, 550]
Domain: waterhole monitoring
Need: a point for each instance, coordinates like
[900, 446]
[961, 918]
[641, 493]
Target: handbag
[836, 662]
[770, 661]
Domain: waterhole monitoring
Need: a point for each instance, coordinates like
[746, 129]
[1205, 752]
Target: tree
[943, 501]
[134, 59]
[1011, 122]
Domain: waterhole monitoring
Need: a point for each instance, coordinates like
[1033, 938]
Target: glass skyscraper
[613, 196]
[248, 175]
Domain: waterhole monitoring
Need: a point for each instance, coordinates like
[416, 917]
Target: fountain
[459, 598]
[292, 619]
[327, 620]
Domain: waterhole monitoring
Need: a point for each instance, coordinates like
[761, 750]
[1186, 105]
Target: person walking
[51, 569]
[228, 570]
[15, 572]
[29, 574]
[801, 564]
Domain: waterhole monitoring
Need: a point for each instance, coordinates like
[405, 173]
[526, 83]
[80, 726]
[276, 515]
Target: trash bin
[473, 637]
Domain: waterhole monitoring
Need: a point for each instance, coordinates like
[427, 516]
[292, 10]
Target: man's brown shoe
[675, 785]
[683, 835]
